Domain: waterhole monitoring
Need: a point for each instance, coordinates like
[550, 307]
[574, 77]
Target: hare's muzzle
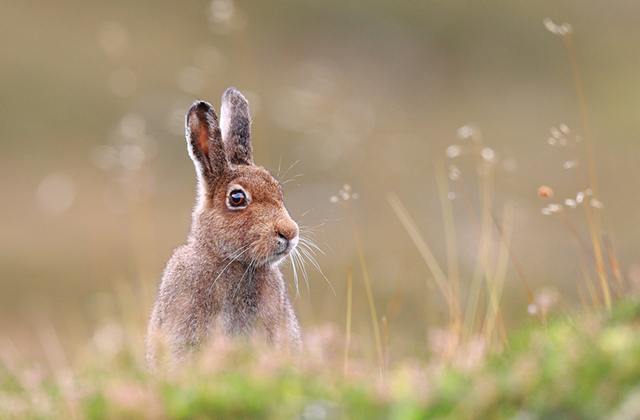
[287, 232]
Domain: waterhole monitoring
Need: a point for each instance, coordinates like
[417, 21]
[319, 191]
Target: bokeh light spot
[55, 194]
[113, 38]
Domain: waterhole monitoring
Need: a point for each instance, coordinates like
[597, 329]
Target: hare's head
[240, 209]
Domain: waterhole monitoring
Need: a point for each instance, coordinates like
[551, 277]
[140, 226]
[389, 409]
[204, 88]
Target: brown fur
[225, 279]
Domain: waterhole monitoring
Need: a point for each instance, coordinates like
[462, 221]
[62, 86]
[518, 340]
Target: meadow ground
[584, 366]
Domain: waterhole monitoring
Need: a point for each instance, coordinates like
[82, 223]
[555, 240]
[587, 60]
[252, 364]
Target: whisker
[243, 249]
[249, 267]
[295, 273]
[295, 256]
[293, 178]
[237, 252]
[305, 213]
[311, 246]
[290, 167]
[279, 163]
[313, 229]
[308, 253]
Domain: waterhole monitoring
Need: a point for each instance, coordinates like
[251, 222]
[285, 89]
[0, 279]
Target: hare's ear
[236, 127]
[205, 143]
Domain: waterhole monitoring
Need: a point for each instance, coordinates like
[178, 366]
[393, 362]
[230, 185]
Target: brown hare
[226, 279]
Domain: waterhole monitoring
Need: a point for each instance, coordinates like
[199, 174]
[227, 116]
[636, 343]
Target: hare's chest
[250, 304]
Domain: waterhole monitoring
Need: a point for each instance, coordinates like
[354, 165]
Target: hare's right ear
[236, 127]
[204, 141]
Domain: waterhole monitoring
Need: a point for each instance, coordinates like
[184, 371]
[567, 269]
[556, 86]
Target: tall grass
[490, 268]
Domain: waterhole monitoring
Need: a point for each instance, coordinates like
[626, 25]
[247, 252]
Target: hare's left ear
[235, 124]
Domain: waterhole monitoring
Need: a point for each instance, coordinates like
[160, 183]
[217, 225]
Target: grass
[574, 367]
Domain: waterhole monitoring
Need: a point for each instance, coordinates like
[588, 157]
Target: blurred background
[97, 186]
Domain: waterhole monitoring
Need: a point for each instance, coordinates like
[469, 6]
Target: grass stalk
[476, 281]
[615, 266]
[580, 290]
[593, 218]
[478, 273]
[385, 338]
[495, 293]
[347, 344]
[516, 263]
[411, 228]
[367, 283]
[451, 246]
[396, 301]
[484, 169]
[579, 244]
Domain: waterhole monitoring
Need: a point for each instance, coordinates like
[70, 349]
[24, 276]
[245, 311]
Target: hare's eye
[237, 198]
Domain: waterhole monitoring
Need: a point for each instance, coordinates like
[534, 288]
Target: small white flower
[453, 151]
[555, 208]
[565, 29]
[465, 132]
[454, 172]
[488, 154]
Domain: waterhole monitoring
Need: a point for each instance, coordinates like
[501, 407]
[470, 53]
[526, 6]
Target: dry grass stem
[580, 290]
[593, 219]
[515, 262]
[367, 283]
[495, 292]
[349, 311]
[420, 243]
[385, 338]
[451, 246]
[615, 266]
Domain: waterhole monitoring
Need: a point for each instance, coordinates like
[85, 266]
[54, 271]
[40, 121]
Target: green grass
[574, 367]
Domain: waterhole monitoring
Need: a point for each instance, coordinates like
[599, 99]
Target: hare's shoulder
[186, 267]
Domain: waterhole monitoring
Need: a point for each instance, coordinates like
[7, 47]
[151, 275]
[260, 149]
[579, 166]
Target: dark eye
[237, 198]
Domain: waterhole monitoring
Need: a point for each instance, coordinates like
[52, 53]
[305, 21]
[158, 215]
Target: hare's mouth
[285, 247]
[279, 256]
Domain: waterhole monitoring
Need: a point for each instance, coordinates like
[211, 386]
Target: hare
[226, 279]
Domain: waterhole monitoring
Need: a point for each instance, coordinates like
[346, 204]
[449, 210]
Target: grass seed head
[545, 192]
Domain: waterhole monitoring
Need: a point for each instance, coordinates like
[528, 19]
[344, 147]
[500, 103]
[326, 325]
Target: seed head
[545, 192]
[453, 151]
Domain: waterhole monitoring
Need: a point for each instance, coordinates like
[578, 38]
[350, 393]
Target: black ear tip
[201, 106]
[203, 110]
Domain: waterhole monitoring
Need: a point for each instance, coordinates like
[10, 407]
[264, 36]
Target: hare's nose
[286, 244]
[287, 229]
[283, 242]
[287, 236]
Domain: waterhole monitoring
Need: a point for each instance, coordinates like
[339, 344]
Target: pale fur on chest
[208, 295]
